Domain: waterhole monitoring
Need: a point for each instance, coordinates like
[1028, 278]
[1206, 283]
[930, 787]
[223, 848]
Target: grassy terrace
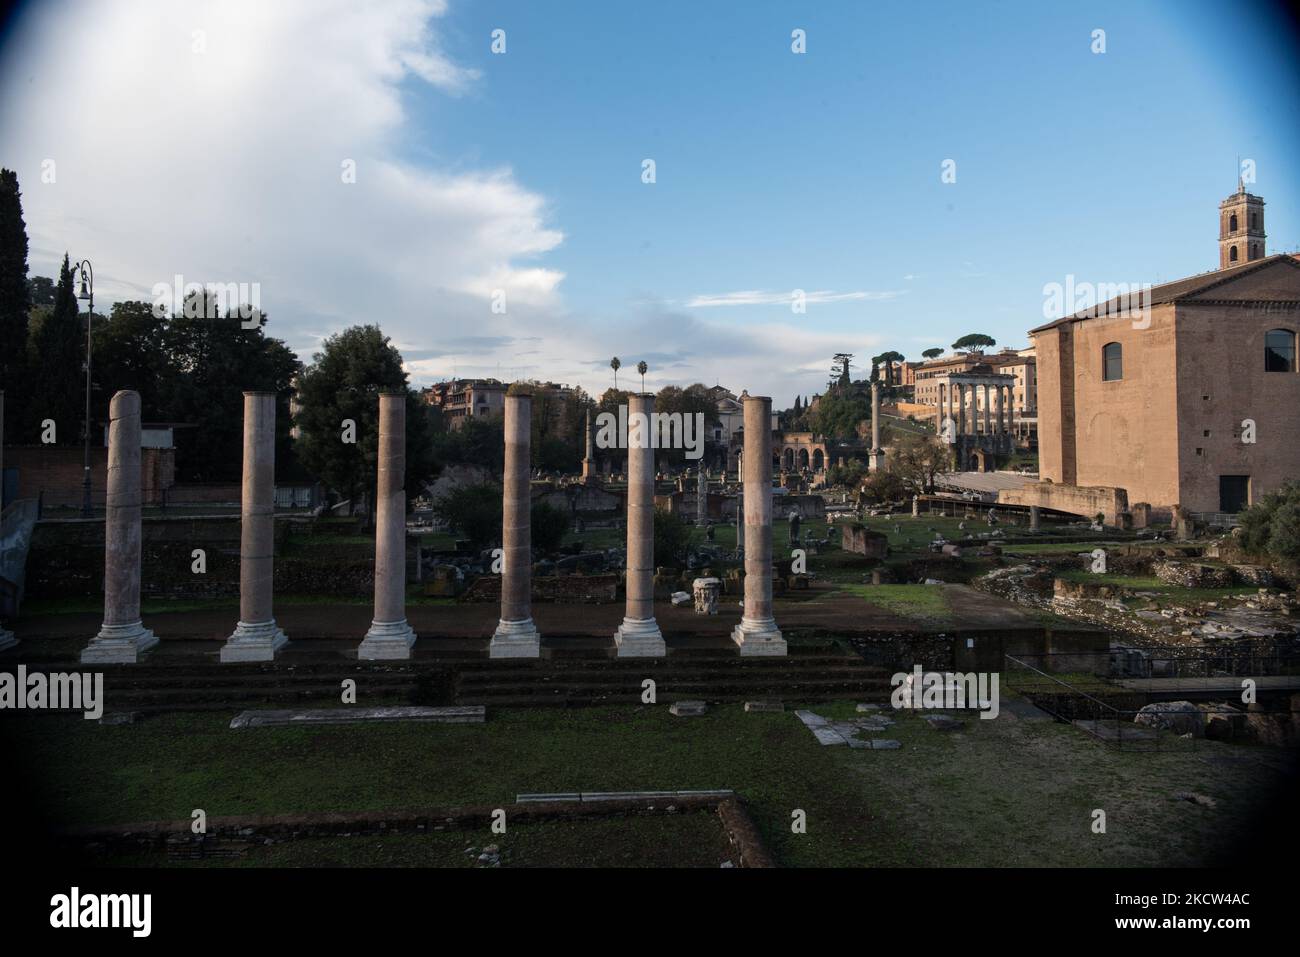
[922, 602]
[1002, 792]
[1149, 583]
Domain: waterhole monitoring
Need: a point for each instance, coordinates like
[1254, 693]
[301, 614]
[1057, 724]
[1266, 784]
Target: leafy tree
[548, 526]
[932, 353]
[976, 340]
[15, 296]
[473, 511]
[209, 361]
[887, 359]
[344, 382]
[672, 539]
[1272, 526]
[918, 460]
[130, 352]
[850, 474]
[837, 415]
[690, 402]
[885, 485]
[480, 441]
[41, 289]
[56, 355]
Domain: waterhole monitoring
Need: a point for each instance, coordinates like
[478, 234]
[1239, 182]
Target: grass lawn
[1001, 792]
[923, 602]
[1056, 548]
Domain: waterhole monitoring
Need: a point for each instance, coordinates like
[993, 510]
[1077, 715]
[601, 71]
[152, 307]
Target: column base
[515, 639]
[258, 641]
[387, 641]
[119, 645]
[759, 638]
[640, 638]
[875, 460]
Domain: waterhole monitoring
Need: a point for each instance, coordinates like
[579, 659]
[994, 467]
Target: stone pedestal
[639, 635]
[256, 637]
[706, 591]
[123, 637]
[390, 637]
[757, 633]
[516, 636]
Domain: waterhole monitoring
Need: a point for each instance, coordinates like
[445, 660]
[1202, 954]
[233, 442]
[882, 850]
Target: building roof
[1174, 291]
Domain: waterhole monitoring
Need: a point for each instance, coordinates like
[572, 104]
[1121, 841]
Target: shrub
[549, 525]
[1271, 527]
[672, 539]
[473, 511]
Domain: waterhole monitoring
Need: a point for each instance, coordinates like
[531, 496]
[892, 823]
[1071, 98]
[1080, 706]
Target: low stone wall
[562, 589]
[1081, 500]
[176, 836]
[1193, 574]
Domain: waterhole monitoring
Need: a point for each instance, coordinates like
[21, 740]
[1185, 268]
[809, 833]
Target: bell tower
[1241, 228]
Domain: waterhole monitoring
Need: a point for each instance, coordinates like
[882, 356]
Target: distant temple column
[877, 460]
[639, 635]
[589, 459]
[757, 633]
[256, 637]
[390, 637]
[123, 637]
[987, 391]
[701, 497]
[1001, 397]
[516, 635]
[7, 639]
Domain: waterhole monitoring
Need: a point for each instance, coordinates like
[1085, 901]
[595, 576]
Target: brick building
[1193, 401]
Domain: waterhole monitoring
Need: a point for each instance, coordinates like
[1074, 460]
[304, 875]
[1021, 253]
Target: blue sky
[775, 171]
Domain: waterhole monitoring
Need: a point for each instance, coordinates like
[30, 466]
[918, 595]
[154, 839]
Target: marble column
[701, 497]
[877, 459]
[390, 637]
[757, 633]
[7, 639]
[123, 638]
[256, 637]
[516, 636]
[1001, 430]
[589, 458]
[987, 392]
[639, 635]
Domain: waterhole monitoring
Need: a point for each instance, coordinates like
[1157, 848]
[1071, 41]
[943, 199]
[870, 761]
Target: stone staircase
[564, 677]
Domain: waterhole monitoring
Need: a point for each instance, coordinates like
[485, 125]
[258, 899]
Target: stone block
[458, 714]
[688, 709]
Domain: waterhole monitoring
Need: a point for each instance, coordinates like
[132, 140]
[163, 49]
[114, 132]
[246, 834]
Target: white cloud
[759, 297]
[208, 139]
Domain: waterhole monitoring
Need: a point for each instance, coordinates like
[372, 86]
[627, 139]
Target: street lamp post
[87, 292]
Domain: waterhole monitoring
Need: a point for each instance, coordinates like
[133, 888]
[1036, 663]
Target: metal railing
[1113, 726]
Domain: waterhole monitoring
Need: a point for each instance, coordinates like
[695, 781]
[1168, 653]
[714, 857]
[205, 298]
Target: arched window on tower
[1279, 350]
[1232, 223]
[1112, 362]
[1232, 254]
